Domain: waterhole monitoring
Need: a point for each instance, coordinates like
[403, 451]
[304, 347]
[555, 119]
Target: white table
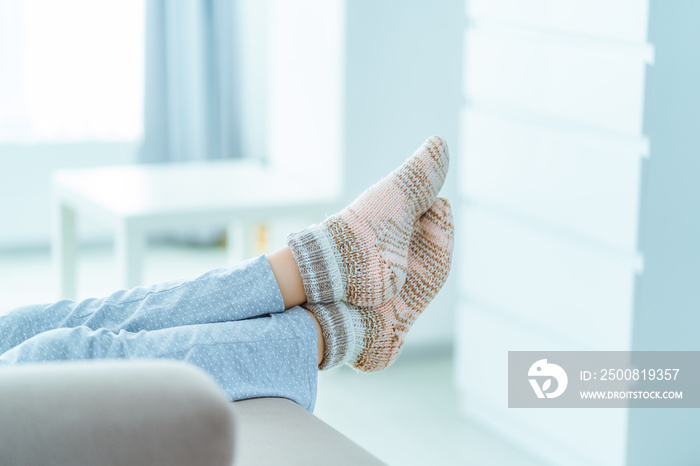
[139, 199]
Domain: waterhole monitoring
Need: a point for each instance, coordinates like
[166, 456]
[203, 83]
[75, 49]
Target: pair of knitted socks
[371, 269]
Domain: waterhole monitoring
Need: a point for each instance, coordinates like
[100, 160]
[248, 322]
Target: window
[71, 70]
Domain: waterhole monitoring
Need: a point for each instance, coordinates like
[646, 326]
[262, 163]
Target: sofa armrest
[277, 431]
[113, 413]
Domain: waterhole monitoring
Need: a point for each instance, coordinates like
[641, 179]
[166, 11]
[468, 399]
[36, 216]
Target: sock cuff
[339, 324]
[318, 263]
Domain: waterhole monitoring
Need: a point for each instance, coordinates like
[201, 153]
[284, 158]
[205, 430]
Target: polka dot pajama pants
[230, 322]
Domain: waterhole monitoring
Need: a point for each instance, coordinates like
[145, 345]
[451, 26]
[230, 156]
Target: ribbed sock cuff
[341, 327]
[318, 264]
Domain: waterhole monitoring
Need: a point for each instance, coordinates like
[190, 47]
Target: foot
[359, 255]
[371, 338]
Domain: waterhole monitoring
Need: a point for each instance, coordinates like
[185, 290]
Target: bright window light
[71, 70]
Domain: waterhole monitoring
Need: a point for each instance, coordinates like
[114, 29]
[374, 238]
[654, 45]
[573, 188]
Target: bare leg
[286, 272]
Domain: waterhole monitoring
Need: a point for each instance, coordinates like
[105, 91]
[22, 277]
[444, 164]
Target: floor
[405, 415]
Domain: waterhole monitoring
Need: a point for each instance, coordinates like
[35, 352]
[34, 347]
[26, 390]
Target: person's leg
[286, 272]
[247, 290]
[275, 355]
[359, 255]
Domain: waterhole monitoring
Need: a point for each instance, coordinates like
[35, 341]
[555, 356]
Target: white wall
[305, 95]
[354, 96]
[354, 88]
[402, 85]
[25, 173]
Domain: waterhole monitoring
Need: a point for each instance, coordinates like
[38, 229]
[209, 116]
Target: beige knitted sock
[360, 254]
[371, 338]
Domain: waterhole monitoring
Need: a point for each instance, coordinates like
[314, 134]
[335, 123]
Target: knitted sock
[371, 338]
[359, 254]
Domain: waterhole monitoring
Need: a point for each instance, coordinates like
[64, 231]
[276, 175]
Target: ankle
[286, 272]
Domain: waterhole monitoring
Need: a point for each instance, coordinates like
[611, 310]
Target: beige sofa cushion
[113, 413]
[154, 412]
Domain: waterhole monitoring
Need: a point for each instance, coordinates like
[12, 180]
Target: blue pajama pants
[230, 322]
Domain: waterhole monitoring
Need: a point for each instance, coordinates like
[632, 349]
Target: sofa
[153, 412]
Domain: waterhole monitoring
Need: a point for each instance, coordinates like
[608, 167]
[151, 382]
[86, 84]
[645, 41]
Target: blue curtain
[192, 97]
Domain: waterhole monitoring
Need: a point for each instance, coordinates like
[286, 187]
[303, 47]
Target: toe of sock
[439, 152]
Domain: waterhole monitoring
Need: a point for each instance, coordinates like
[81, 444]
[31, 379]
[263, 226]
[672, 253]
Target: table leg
[64, 250]
[129, 249]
